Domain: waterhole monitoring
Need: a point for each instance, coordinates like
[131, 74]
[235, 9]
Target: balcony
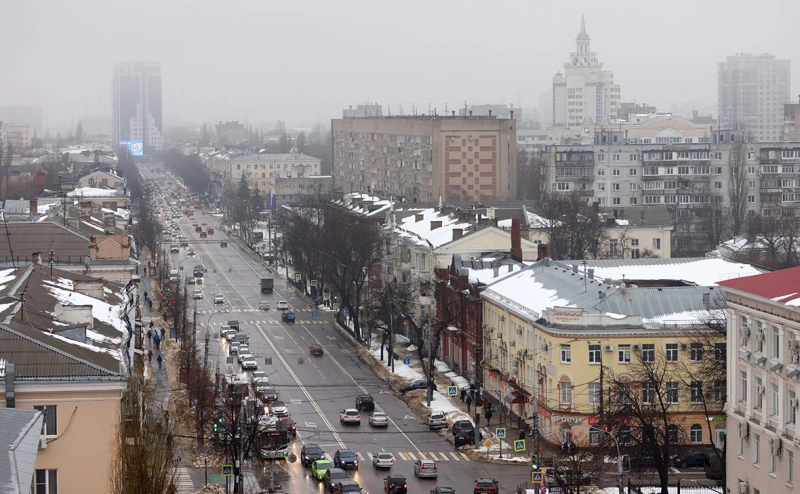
[573, 164]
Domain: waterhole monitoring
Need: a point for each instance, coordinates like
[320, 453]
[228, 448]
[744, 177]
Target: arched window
[696, 433]
[565, 392]
[672, 434]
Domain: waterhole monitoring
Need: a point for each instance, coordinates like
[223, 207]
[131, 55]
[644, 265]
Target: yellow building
[555, 330]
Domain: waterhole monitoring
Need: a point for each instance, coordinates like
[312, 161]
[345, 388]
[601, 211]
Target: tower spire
[583, 24]
[583, 35]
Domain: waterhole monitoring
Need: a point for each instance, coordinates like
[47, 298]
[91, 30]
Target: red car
[290, 425]
[210, 231]
[316, 350]
[203, 235]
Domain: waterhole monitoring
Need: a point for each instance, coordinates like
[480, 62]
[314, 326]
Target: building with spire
[584, 90]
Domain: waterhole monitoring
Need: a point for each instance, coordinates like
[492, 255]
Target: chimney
[496, 271]
[601, 294]
[40, 182]
[490, 113]
[417, 218]
[512, 114]
[542, 251]
[510, 267]
[591, 273]
[34, 208]
[458, 233]
[516, 240]
[436, 224]
[10, 400]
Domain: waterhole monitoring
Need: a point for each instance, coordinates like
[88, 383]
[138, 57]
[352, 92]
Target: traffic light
[534, 464]
[215, 427]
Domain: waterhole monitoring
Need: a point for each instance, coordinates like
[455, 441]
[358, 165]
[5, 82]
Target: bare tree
[737, 186]
[145, 456]
[574, 229]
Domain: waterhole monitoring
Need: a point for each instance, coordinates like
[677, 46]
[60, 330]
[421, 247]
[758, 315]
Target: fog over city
[304, 61]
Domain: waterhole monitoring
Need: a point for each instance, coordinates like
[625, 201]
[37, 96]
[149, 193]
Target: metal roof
[19, 437]
[28, 238]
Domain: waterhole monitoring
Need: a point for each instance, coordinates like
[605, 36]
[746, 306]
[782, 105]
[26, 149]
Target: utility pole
[239, 482]
[430, 366]
[478, 408]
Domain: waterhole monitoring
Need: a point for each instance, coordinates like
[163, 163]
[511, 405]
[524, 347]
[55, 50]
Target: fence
[673, 488]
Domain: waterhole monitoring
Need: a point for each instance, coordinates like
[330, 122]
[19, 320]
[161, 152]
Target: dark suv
[490, 486]
[365, 402]
[694, 459]
[463, 433]
[395, 484]
[310, 453]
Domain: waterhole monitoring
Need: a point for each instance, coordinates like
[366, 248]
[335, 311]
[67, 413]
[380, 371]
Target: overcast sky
[303, 61]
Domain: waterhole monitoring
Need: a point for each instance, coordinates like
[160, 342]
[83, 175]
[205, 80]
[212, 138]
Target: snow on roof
[487, 275]
[6, 275]
[701, 271]
[94, 192]
[622, 222]
[421, 232]
[536, 221]
[44, 208]
[120, 212]
[101, 310]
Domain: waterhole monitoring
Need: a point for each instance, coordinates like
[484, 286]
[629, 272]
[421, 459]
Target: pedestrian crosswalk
[411, 456]
[310, 322]
[211, 311]
[183, 481]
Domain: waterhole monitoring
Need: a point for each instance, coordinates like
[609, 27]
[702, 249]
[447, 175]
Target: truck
[267, 284]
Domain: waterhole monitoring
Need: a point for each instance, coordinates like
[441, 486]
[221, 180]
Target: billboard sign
[136, 148]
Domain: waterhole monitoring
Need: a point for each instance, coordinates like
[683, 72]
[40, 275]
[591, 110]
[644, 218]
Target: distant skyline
[303, 62]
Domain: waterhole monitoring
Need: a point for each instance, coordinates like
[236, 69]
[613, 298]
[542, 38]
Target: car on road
[382, 460]
[264, 305]
[228, 333]
[463, 438]
[418, 384]
[260, 382]
[566, 475]
[190, 280]
[437, 420]
[319, 468]
[223, 244]
[174, 249]
[349, 416]
[487, 485]
[288, 317]
[283, 305]
[249, 363]
[290, 425]
[219, 299]
[279, 409]
[197, 294]
[190, 252]
[463, 425]
[345, 458]
[365, 403]
[198, 228]
[332, 478]
[234, 348]
[426, 469]
[203, 235]
[395, 484]
[234, 323]
[310, 453]
[693, 459]
[378, 419]
[443, 490]
[210, 230]
[268, 394]
[244, 350]
[258, 374]
[348, 486]
[316, 350]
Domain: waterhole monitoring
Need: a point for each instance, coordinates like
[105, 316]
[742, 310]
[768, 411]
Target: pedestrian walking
[521, 433]
[163, 333]
[149, 335]
[463, 394]
[145, 294]
[159, 360]
[469, 403]
[150, 356]
[151, 324]
[488, 415]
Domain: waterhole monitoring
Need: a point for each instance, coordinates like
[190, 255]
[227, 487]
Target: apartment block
[751, 92]
[764, 368]
[259, 169]
[137, 104]
[422, 158]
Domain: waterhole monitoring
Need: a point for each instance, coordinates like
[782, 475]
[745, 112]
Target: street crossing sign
[298, 276]
[344, 310]
[500, 432]
[227, 470]
[335, 306]
[452, 390]
[519, 445]
[313, 282]
[406, 361]
[537, 477]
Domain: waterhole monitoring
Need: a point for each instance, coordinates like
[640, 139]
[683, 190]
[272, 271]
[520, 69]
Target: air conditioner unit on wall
[513, 343]
[519, 330]
[42, 442]
[744, 487]
[794, 344]
[609, 348]
[635, 347]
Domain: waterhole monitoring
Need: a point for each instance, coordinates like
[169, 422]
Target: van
[173, 275]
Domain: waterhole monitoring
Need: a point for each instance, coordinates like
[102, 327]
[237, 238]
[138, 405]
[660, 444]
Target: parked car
[463, 425]
[310, 453]
[332, 478]
[463, 438]
[693, 459]
[395, 484]
[487, 485]
[365, 403]
[419, 384]
[436, 420]
[378, 419]
[345, 458]
[382, 460]
[426, 469]
[349, 416]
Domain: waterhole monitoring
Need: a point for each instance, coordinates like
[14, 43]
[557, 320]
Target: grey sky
[303, 61]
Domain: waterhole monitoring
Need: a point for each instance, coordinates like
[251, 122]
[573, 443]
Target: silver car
[383, 460]
[378, 419]
[249, 363]
[426, 469]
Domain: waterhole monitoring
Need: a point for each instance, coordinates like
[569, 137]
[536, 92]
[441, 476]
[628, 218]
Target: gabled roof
[779, 286]
[19, 441]
[30, 237]
[422, 232]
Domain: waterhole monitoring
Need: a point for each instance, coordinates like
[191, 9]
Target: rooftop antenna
[8, 237]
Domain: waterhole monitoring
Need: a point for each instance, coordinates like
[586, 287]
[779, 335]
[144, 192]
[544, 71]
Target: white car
[219, 299]
[383, 460]
[249, 363]
[350, 416]
[283, 305]
[378, 419]
[197, 295]
[279, 409]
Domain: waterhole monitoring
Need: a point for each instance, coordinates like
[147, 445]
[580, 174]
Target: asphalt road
[316, 389]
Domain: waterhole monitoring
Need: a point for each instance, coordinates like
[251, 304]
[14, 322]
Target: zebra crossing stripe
[360, 457]
[465, 457]
[370, 456]
[455, 456]
[412, 456]
[404, 456]
[423, 456]
[328, 457]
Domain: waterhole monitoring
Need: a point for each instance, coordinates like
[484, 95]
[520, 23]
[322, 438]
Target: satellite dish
[58, 309]
[623, 285]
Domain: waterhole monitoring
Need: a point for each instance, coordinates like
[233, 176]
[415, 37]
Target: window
[615, 172]
[776, 342]
[624, 354]
[633, 186]
[614, 186]
[46, 482]
[633, 201]
[751, 184]
[565, 392]
[648, 392]
[615, 158]
[564, 186]
[50, 422]
[789, 466]
[649, 352]
[601, 186]
[791, 415]
[720, 352]
[672, 391]
[756, 449]
[632, 172]
[601, 172]
[624, 392]
[775, 405]
[743, 385]
[616, 200]
[696, 352]
[672, 352]
[594, 393]
[759, 393]
[656, 244]
[595, 357]
[696, 433]
[751, 199]
[601, 158]
[566, 354]
[696, 391]
[773, 460]
[672, 434]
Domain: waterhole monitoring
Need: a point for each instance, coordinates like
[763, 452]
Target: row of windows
[673, 434]
[648, 350]
[277, 166]
[647, 393]
[773, 458]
